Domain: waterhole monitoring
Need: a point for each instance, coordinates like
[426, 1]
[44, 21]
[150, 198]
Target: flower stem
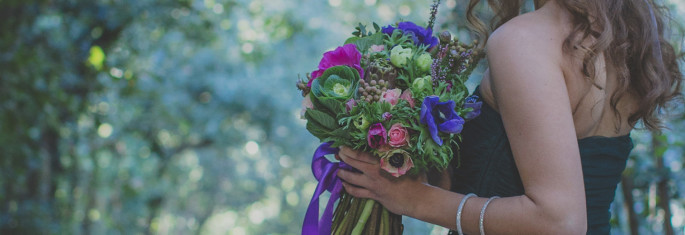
[349, 216]
[385, 222]
[368, 206]
[372, 222]
[340, 210]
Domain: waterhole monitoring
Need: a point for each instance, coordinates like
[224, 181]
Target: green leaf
[341, 133]
[351, 40]
[325, 120]
[329, 105]
[363, 44]
[317, 131]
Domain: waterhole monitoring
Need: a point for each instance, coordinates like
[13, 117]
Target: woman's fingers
[357, 191]
[356, 164]
[358, 155]
[355, 178]
[351, 159]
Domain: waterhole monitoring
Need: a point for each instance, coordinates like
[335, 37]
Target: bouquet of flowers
[397, 92]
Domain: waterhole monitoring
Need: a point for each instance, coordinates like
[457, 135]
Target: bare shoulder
[538, 34]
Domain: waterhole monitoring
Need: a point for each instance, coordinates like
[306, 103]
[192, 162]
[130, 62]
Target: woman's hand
[397, 194]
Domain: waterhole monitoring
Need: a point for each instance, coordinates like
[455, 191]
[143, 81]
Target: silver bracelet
[459, 209]
[482, 215]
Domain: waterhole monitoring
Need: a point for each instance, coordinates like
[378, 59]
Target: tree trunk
[91, 196]
[628, 204]
[50, 165]
[659, 146]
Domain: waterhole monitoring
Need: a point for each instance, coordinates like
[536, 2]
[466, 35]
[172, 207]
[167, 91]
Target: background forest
[182, 117]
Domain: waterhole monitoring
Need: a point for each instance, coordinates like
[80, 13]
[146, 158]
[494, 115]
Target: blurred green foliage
[181, 116]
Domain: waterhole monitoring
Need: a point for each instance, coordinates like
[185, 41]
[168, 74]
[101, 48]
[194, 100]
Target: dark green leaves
[322, 119]
[363, 44]
[360, 30]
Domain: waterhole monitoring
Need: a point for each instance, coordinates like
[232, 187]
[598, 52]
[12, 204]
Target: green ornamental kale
[337, 85]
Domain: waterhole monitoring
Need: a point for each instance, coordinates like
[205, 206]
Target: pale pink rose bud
[377, 48]
[406, 95]
[391, 96]
[306, 104]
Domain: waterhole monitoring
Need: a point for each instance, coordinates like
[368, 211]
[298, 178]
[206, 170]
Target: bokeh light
[181, 117]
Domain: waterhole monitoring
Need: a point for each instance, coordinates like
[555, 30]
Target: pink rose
[396, 162]
[391, 96]
[398, 136]
[406, 95]
[306, 104]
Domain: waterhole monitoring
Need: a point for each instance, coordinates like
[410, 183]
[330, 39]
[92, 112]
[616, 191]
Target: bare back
[589, 99]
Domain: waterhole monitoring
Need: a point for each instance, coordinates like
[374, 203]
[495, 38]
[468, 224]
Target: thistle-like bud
[445, 37]
[302, 86]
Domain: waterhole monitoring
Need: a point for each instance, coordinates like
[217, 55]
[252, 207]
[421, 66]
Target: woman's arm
[531, 96]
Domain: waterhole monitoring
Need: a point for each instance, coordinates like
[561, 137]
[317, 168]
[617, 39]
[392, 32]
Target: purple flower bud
[350, 104]
[472, 102]
[387, 116]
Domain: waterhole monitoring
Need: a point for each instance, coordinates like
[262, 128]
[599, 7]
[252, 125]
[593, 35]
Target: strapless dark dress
[487, 166]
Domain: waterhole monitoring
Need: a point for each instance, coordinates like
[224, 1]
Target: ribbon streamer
[326, 172]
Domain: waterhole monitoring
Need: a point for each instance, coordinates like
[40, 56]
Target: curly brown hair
[631, 34]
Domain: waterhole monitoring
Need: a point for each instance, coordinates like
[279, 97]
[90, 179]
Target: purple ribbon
[326, 172]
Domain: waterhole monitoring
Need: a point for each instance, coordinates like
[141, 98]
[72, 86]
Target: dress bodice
[486, 166]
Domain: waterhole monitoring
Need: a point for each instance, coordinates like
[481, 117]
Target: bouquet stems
[364, 216]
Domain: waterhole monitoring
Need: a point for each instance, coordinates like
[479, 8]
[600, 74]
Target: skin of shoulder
[538, 34]
[527, 81]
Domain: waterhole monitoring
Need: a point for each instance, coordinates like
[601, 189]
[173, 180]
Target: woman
[566, 85]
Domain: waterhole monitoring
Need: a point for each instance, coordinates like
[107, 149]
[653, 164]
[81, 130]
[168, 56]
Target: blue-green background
[182, 117]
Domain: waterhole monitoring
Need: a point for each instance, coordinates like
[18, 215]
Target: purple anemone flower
[472, 102]
[377, 136]
[420, 35]
[440, 116]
